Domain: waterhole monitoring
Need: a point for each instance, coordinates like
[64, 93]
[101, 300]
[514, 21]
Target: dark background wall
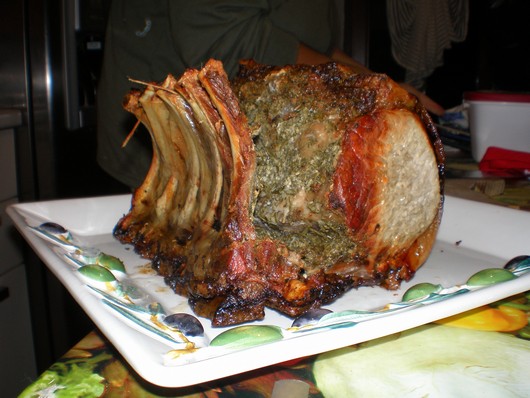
[494, 56]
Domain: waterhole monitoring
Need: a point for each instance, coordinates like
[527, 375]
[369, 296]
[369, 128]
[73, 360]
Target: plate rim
[259, 356]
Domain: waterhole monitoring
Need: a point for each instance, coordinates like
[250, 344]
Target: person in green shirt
[146, 40]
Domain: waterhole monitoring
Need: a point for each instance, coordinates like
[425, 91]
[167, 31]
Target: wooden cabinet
[17, 355]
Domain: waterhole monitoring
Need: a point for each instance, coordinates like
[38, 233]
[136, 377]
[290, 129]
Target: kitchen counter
[465, 180]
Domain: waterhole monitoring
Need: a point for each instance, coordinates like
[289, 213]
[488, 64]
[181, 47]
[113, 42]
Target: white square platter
[473, 236]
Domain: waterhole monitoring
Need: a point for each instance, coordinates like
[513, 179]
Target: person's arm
[431, 105]
[306, 55]
[343, 58]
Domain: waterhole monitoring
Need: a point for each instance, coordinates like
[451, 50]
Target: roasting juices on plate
[283, 188]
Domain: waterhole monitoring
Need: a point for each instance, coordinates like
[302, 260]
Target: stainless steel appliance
[51, 52]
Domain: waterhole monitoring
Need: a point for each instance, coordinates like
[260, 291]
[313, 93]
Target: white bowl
[498, 119]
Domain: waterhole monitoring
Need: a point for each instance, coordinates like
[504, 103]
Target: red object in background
[505, 163]
[496, 96]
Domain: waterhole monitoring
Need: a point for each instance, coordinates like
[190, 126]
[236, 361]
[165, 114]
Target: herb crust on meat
[284, 188]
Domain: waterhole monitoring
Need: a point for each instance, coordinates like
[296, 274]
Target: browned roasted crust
[200, 214]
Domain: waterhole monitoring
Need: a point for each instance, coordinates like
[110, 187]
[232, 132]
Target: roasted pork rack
[284, 188]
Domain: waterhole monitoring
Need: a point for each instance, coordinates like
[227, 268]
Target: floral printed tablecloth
[484, 352]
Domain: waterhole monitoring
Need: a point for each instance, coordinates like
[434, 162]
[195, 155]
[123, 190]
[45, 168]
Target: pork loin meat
[284, 188]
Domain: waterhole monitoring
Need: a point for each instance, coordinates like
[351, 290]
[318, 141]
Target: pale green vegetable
[433, 361]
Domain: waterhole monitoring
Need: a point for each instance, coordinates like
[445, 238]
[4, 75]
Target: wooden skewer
[129, 136]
